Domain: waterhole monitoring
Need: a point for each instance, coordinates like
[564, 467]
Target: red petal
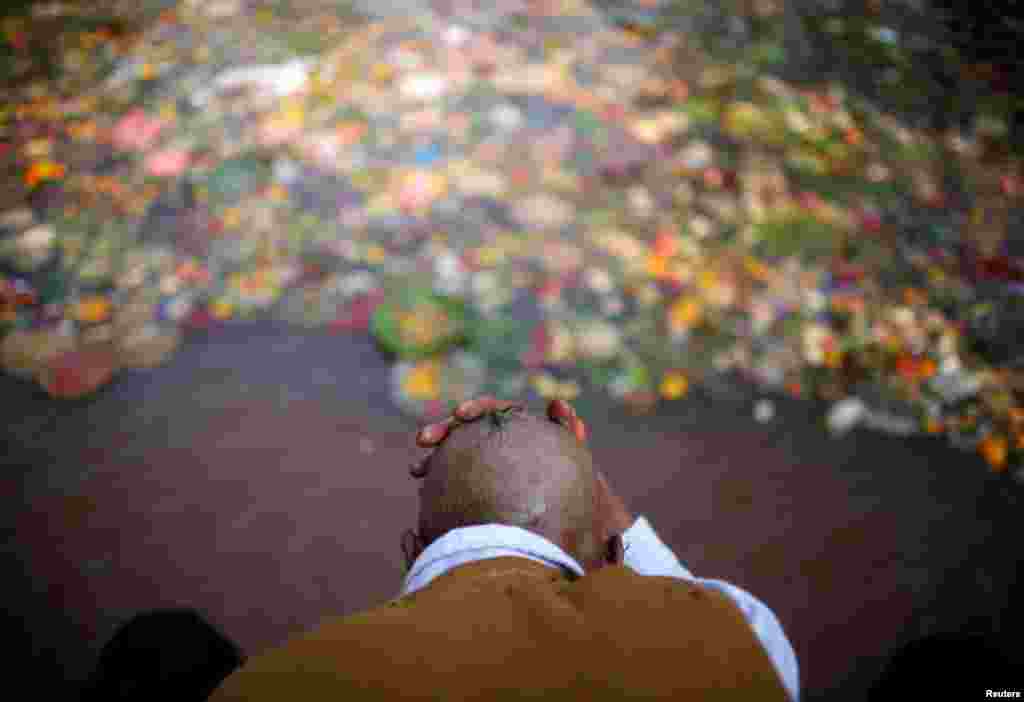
[78, 373]
[871, 221]
[549, 289]
[1012, 185]
[1001, 268]
[614, 113]
[810, 200]
[540, 339]
[531, 360]
[340, 325]
[200, 318]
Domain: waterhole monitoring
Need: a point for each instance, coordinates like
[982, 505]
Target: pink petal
[416, 193]
[136, 131]
[435, 409]
[614, 113]
[540, 340]
[360, 311]
[810, 200]
[168, 163]
[1012, 185]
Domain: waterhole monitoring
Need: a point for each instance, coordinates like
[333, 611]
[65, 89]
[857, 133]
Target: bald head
[517, 469]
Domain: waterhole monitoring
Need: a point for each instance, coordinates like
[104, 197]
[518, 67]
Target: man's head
[514, 468]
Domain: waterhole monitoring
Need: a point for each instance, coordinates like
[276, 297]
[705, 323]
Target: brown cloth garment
[511, 628]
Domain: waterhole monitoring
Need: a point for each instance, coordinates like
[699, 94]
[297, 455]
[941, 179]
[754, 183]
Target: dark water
[261, 477]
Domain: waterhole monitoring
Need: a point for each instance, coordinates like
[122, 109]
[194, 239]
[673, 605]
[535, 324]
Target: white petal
[846, 414]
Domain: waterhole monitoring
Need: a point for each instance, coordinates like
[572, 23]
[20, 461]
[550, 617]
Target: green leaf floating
[415, 322]
[702, 109]
[236, 177]
[640, 377]
[801, 236]
[501, 341]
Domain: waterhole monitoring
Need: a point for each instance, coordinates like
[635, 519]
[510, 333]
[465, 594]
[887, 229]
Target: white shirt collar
[477, 543]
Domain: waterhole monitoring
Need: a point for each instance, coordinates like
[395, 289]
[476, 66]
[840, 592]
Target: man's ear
[615, 550]
[412, 547]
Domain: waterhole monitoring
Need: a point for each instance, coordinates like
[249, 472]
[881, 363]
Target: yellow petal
[648, 131]
[685, 313]
[994, 450]
[93, 309]
[707, 281]
[221, 309]
[674, 385]
[757, 270]
[657, 266]
[423, 381]
[375, 255]
[232, 218]
[382, 73]
[278, 193]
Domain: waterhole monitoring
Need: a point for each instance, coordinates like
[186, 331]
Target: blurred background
[770, 250]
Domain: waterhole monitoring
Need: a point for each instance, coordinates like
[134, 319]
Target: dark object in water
[165, 654]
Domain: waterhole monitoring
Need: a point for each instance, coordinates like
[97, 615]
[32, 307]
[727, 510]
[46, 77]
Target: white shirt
[645, 554]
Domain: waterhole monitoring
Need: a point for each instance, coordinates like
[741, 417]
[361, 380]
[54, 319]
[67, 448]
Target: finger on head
[433, 434]
[472, 409]
[560, 411]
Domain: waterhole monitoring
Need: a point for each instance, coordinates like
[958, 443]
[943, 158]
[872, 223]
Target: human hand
[433, 435]
[612, 510]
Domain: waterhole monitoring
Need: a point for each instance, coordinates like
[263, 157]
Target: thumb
[561, 412]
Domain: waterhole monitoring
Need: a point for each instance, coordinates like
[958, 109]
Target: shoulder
[652, 590]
